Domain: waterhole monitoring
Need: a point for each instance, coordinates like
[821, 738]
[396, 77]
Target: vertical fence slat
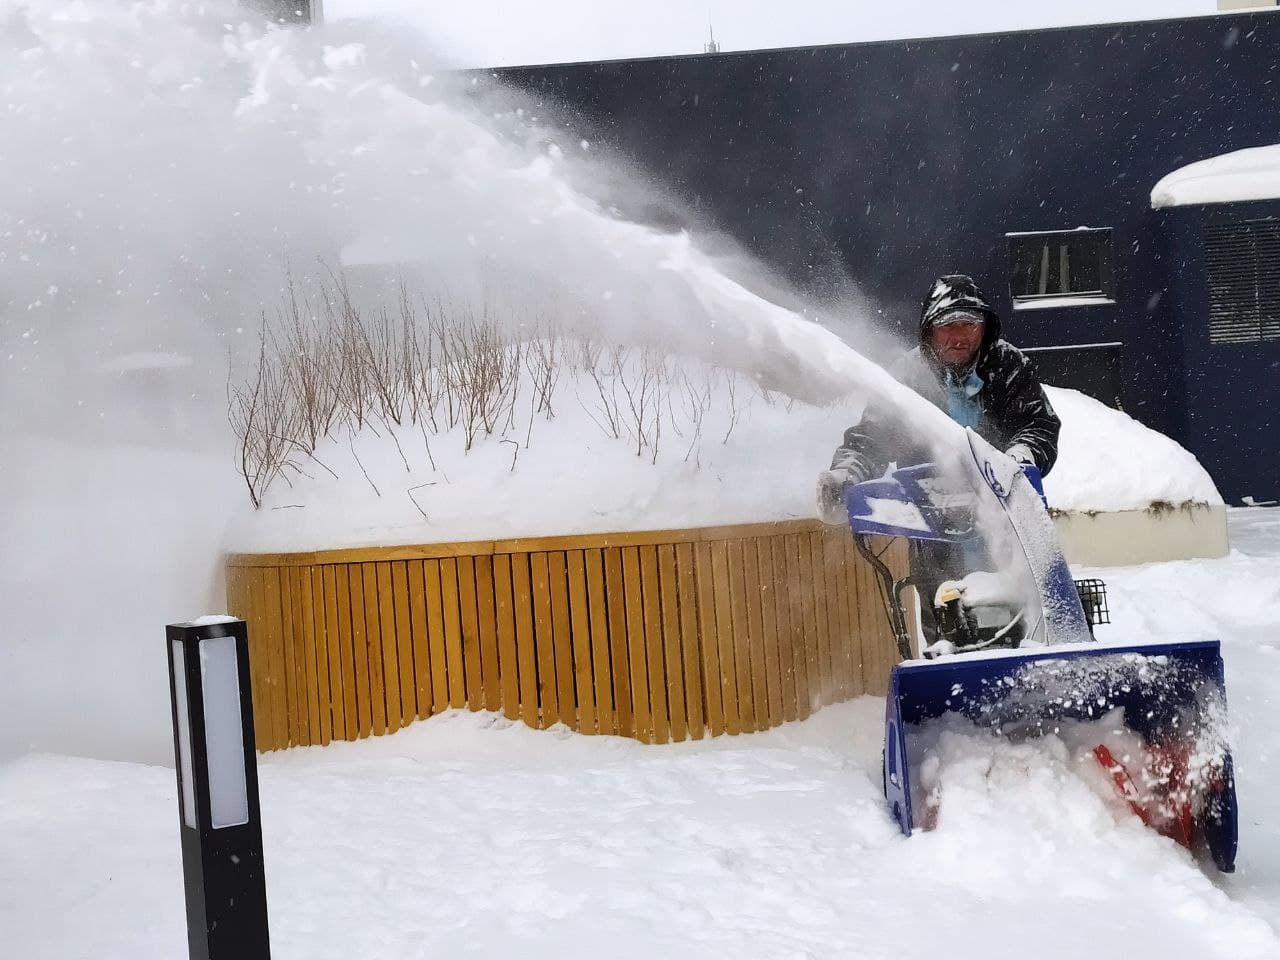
[257, 673]
[360, 650]
[787, 645]
[725, 641]
[548, 706]
[306, 626]
[469, 620]
[437, 656]
[637, 657]
[803, 614]
[602, 672]
[301, 678]
[769, 629]
[355, 702]
[615, 598]
[452, 619]
[486, 611]
[751, 589]
[287, 633]
[741, 637]
[333, 653]
[390, 651]
[368, 574]
[709, 640]
[404, 642]
[416, 571]
[869, 641]
[668, 587]
[857, 606]
[346, 654]
[504, 603]
[313, 596]
[654, 644]
[562, 638]
[841, 634]
[526, 645]
[690, 648]
[279, 690]
[822, 620]
[870, 631]
[580, 631]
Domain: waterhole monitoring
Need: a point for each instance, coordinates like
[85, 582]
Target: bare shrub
[263, 419]
[325, 364]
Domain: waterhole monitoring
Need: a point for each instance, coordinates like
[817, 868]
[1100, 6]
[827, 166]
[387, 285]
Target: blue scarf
[962, 397]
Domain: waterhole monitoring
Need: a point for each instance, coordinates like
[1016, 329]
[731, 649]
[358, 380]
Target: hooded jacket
[1013, 408]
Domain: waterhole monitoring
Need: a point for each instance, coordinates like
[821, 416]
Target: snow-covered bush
[328, 369]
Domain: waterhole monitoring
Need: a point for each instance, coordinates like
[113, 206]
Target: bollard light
[217, 769]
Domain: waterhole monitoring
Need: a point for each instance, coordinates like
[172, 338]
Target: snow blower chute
[1013, 652]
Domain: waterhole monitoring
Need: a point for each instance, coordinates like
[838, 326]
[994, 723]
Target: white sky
[504, 32]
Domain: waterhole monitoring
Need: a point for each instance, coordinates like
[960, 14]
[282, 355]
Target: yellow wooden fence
[658, 636]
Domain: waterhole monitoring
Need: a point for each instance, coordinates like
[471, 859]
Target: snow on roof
[1252, 174]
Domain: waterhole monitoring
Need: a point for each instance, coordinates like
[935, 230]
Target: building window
[1243, 261]
[1061, 268]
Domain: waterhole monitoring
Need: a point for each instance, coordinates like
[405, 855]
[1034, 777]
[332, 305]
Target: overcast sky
[504, 32]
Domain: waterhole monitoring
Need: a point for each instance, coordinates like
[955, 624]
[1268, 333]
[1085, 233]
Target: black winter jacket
[1014, 407]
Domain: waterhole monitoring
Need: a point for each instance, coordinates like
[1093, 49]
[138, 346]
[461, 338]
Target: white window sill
[1054, 303]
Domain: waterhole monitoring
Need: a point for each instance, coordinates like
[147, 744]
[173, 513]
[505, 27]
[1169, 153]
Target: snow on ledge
[1107, 461]
[572, 479]
[1058, 303]
[1252, 174]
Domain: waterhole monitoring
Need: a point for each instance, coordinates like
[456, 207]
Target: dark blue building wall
[895, 162]
[1232, 416]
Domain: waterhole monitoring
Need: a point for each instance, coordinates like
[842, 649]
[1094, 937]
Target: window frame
[1104, 296]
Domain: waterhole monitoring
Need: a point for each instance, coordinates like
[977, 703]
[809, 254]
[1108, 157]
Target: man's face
[956, 339]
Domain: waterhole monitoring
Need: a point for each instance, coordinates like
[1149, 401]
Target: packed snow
[751, 456]
[124, 295]
[1109, 461]
[471, 835]
[1250, 174]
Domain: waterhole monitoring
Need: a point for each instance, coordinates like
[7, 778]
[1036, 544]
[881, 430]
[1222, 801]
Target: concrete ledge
[1129, 537]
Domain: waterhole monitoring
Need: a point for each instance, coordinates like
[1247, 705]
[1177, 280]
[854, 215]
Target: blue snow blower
[1013, 652]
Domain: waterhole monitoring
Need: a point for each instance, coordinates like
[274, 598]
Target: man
[981, 381]
[965, 369]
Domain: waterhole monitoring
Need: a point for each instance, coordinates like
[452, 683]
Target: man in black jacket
[967, 371]
[981, 381]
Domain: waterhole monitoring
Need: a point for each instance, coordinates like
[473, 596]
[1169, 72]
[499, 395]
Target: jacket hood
[956, 292]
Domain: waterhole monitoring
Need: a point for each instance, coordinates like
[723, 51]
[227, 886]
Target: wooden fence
[658, 636]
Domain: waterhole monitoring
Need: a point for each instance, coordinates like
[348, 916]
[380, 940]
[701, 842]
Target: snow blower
[1013, 651]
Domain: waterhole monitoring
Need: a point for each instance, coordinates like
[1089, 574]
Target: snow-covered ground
[469, 836]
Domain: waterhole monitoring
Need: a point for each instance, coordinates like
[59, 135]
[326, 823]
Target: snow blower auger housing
[1013, 652]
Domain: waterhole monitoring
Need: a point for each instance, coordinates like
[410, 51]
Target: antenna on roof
[711, 46]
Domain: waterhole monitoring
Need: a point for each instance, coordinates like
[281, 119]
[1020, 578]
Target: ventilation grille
[1244, 281]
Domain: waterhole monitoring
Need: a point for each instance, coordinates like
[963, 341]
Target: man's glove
[1021, 453]
[831, 508]
[831, 484]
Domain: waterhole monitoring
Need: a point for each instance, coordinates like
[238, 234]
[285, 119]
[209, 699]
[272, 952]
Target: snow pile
[622, 441]
[468, 835]
[712, 448]
[1252, 174]
[1109, 461]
